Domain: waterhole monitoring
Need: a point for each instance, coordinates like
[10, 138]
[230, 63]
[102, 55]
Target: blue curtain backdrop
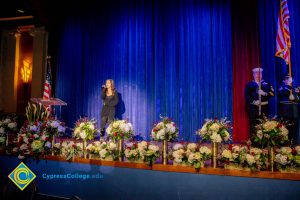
[167, 58]
[275, 67]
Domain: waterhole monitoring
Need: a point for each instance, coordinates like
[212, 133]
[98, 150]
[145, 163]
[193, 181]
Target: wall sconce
[26, 71]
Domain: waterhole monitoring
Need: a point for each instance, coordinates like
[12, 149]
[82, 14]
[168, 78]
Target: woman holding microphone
[110, 99]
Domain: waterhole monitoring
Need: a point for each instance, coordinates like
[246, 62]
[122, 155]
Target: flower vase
[165, 152]
[214, 157]
[271, 158]
[120, 149]
[52, 145]
[84, 148]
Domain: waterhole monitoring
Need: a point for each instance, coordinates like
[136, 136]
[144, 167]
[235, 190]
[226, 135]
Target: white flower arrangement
[215, 130]
[55, 127]
[108, 150]
[133, 152]
[166, 129]
[120, 129]
[270, 132]
[288, 159]
[33, 140]
[70, 149]
[190, 154]
[244, 157]
[85, 129]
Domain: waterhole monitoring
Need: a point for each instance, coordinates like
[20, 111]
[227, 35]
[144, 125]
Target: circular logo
[21, 176]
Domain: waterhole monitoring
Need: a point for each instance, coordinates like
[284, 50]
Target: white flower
[6, 121]
[177, 146]
[215, 137]
[236, 149]
[298, 149]
[77, 131]
[91, 126]
[250, 159]
[161, 134]
[235, 155]
[226, 154]
[205, 150]
[154, 148]
[21, 157]
[192, 146]
[259, 134]
[124, 128]
[102, 153]
[108, 130]
[112, 146]
[81, 124]
[256, 151]
[270, 125]
[2, 131]
[142, 145]
[281, 159]
[57, 145]
[82, 134]
[214, 127]
[35, 135]
[194, 157]
[284, 131]
[12, 125]
[286, 150]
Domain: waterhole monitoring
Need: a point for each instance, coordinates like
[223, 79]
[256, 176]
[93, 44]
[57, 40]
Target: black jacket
[109, 104]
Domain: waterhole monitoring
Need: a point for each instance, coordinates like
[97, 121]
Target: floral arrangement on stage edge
[70, 149]
[270, 132]
[7, 125]
[288, 159]
[142, 152]
[108, 150]
[245, 157]
[85, 129]
[32, 140]
[119, 129]
[190, 155]
[215, 130]
[55, 127]
[166, 129]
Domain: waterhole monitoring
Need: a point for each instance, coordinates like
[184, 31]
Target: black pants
[105, 120]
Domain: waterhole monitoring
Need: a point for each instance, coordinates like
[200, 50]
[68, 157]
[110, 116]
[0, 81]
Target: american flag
[283, 40]
[47, 85]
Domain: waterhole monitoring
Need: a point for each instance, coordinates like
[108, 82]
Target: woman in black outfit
[110, 99]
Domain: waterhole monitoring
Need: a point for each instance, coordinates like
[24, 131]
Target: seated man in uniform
[257, 95]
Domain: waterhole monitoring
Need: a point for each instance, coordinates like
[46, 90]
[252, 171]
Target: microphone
[103, 86]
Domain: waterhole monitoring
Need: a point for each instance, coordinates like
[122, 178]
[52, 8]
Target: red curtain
[245, 57]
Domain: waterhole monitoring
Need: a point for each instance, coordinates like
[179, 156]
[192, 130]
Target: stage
[123, 180]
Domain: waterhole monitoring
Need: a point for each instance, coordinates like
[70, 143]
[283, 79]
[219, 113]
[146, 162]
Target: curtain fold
[167, 58]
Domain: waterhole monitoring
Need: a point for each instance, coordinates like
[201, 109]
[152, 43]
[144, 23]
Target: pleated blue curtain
[167, 58]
